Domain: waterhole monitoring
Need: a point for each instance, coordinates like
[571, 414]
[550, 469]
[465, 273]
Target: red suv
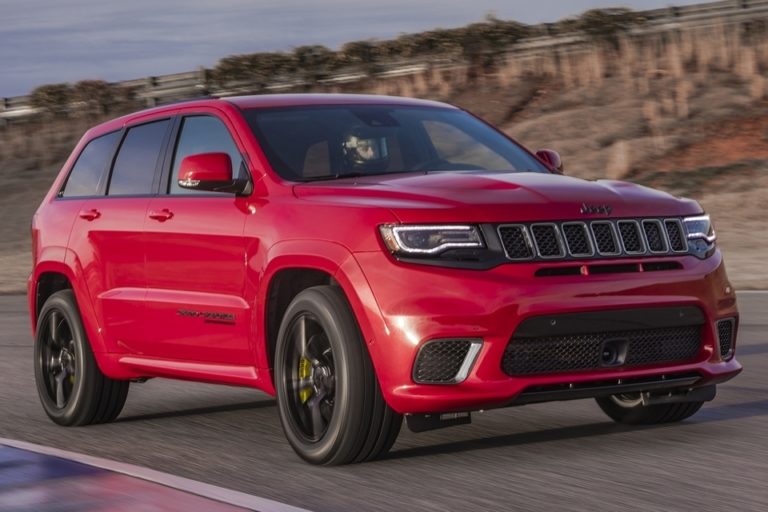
[364, 258]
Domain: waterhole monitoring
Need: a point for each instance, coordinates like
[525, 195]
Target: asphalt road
[558, 456]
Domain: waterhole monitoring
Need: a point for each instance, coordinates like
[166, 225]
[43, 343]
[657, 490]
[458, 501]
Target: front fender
[331, 258]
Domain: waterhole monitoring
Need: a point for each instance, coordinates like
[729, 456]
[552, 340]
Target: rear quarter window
[86, 175]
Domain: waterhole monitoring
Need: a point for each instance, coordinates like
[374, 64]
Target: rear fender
[57, 260]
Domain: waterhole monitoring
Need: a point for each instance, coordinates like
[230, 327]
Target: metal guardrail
[166, 88]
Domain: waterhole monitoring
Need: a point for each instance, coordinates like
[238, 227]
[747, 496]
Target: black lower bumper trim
[592, 389]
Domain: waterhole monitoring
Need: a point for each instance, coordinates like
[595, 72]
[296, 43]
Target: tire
[629, 410]
[72, 389]
[329, 400]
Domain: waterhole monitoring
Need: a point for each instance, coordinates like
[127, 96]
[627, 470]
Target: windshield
[326, 142]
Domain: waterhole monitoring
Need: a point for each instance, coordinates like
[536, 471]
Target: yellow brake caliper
[305, 372]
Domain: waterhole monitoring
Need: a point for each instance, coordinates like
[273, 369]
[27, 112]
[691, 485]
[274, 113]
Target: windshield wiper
[333, 177]
[354, 174]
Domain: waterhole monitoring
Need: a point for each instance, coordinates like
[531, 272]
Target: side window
[202, 134]
[134, 169]
[86, 174]
[457, 147]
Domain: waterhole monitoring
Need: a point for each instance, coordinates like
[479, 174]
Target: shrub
[97, 96]
[53, 99]
[258, 69]
[315, 62]
[604, 24]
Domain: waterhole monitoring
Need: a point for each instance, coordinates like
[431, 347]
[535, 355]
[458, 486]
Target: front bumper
[416, 304]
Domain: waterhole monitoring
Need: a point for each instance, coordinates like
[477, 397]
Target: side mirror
[211, 172]
[552, 159]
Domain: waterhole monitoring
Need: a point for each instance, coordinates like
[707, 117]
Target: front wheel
[629, 409]
[71, 387]
[328, 397]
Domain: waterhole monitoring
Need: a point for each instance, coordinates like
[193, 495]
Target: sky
[51, 41]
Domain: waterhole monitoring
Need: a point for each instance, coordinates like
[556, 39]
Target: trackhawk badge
[208, 316]
[596, 209]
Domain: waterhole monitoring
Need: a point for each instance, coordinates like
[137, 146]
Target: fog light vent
[445, 361]
[725, 330]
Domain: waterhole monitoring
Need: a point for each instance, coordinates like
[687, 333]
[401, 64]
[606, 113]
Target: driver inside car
[365, 150]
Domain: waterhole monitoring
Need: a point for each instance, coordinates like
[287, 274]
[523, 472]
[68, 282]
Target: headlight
[430, 240]
[701, 236]
[700, 228]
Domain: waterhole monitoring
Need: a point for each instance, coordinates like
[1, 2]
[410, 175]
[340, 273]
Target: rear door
[86, 181]
[108, 237]
[195, 251]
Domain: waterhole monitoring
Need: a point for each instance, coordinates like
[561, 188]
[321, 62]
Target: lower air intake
[587, 351]
[443, 361]
[725, 330]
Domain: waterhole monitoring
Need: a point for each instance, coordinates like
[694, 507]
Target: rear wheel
[329, 399]
[71, 387]
[629, 409]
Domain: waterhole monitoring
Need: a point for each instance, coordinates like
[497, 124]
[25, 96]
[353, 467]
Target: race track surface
[557, 456]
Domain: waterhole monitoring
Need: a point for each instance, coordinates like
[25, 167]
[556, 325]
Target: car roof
[266, 101]
[297, 100]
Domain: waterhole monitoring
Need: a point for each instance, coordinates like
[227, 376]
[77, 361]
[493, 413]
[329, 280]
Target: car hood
[495, 197]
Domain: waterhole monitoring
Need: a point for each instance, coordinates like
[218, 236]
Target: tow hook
[425, 422]
[703, 394]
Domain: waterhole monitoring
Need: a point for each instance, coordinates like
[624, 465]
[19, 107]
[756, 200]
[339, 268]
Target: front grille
[654, 234]
[516, 242]
[675, 235]
[605, 238]
[585, 351]
[547, 240]
[593, 239]
[631, 237]
[725, 336]
[577, 239]
[438, 362]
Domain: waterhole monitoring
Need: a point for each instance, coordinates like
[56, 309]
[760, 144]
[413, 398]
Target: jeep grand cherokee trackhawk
[364, 258]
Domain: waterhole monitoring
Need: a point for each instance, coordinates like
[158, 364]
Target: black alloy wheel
[311, 377]
[71, 387]
[329, 400]
[57, 358]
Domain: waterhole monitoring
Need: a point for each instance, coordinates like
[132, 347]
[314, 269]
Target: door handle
[162, 215]
[90, 215]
